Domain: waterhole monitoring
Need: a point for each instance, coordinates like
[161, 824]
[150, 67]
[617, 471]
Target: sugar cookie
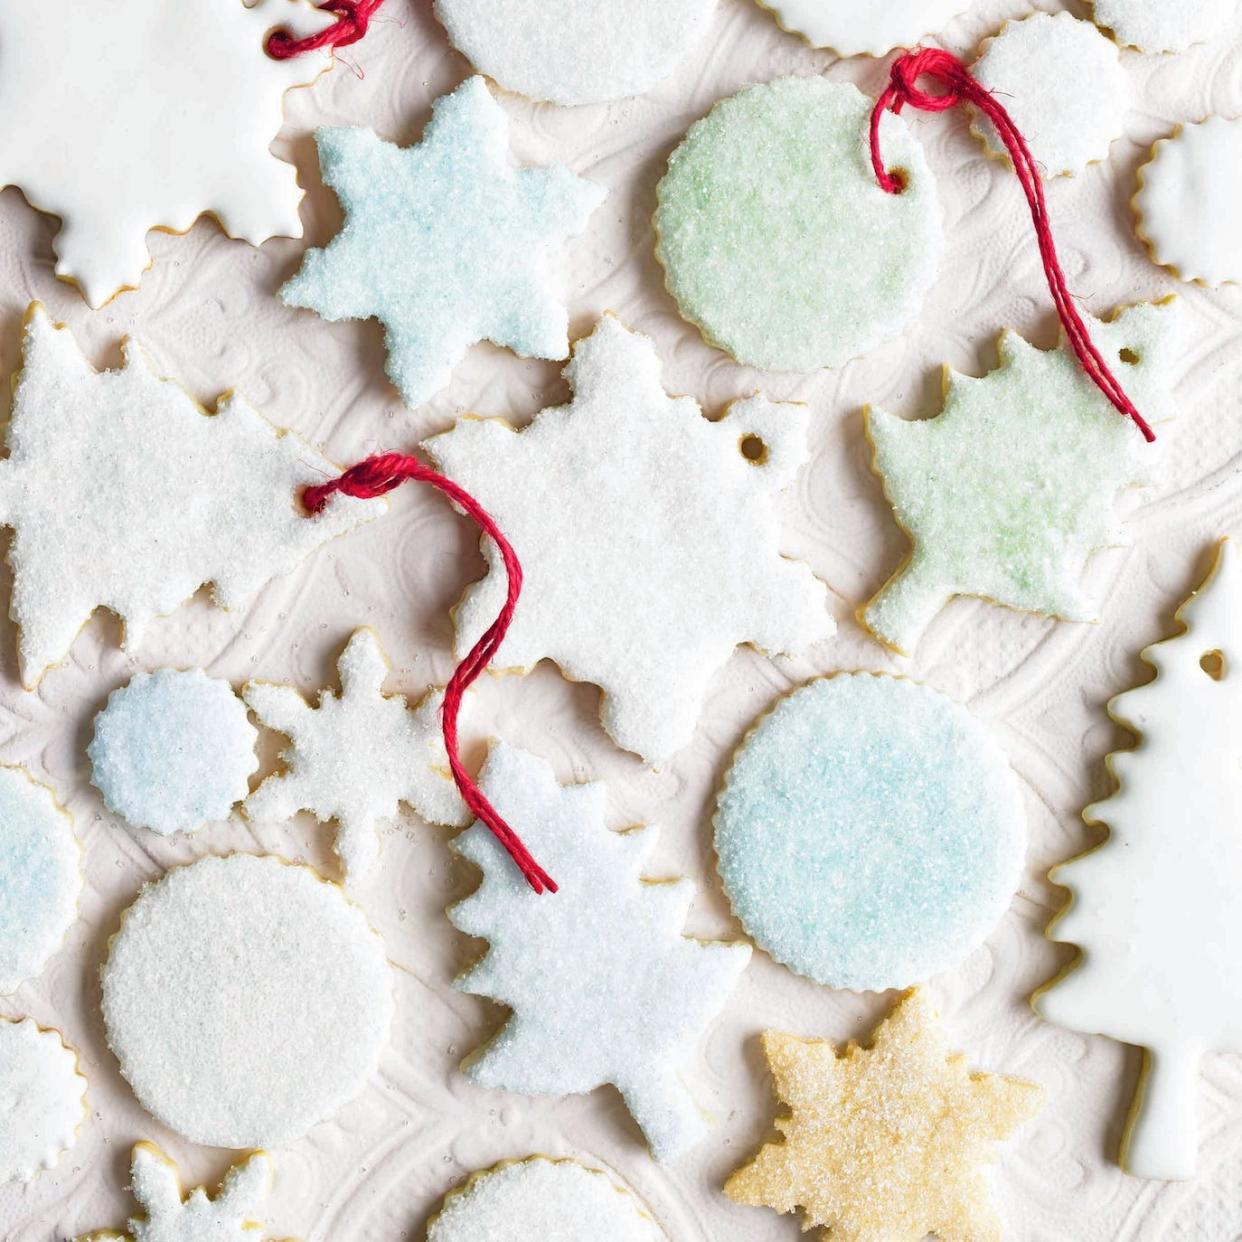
[1154, 910]
[650, 541]
[575, 51]
[865, 27]
[776, 241]
[603, 985]
[885, 1141]
[869, 832]
[246, 1000]
[444, 243]
[1163, 25]
[1010, 490]
[173, 751]
[66, 66]
[542, 1200]
[1187, 202]
[355, 756]
[40, 877]
[1063, 85]
[42, 1099]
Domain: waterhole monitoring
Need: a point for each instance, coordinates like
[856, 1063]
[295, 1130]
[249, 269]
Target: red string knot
[352, 23]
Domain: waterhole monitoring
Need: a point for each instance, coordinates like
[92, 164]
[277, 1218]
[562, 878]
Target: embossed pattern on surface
[207, 313]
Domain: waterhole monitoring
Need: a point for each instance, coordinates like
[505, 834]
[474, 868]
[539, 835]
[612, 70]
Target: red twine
[353, 18]
[959, 87]
[375, 477]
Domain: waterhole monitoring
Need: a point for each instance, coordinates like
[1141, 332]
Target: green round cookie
[775, 238]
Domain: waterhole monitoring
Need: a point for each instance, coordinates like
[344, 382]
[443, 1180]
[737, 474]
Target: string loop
[353, 20]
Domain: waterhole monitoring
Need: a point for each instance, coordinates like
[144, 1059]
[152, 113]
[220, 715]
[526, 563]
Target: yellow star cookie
[883, 1144]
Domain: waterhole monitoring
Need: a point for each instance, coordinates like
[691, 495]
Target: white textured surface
[207, 311]
[1164, 25]
[873, 27]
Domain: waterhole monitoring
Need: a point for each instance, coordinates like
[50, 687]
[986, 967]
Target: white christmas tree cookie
[444, 243]
[1063, 85]
[575, 51]
[91, 136]
[355, 756]
[603, 985]
[170, 1215]
[649, 539]
[42, 1099]
[1163, 25]
[542, 1200]
[776, 240]
[1007, 493]
[40, 877]
[865, 27]
[1154, 910]
[246, 1000]
[124, 494]
[173, 751]
[1187, 202]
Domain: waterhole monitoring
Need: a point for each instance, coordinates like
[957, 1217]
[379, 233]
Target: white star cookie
[865, 27]
[124, 495]
[444, 243]
[356, 755]
[650, 541]
[138, 114]
[1163, 25]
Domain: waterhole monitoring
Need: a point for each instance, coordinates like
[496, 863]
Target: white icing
[1154, 910]
[246, 1000]
[1163, 25]
[137, 114]
[865, 27]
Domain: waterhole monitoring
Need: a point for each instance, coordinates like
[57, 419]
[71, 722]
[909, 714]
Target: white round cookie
[1187, 202]
[40, 877]
[246, 999]
[864, 27]
[1063, 84]
[1163, 25]
[42, 1099]
[575, 51]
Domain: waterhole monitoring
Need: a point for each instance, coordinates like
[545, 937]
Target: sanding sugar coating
[870, 27]
[246, 1000]
[869, 832]
[173, 751]
[776, 240]
[1163, 25]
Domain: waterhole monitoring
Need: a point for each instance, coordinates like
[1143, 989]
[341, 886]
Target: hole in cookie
[901, 179]
[1130, 357]
[1213, 664]
[754, 448]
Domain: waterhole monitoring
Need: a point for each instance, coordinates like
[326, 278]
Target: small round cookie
[869, 832]
[40, 877]
[1163, 25]
[42, 1099]
[1188, 202]
[246, 999]
[864, 27]
[173, 751]
[575, 51]
[1063, 84]
[776, 240]
[545, 1199]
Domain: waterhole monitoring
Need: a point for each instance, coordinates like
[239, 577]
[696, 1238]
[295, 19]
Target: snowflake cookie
[885, 1141]
[1163, 25]
[355, 756]
[174, 1216]
[1063, 84]
[575, 51]
[1010, 490]
[1187, 202]
[42, 1099]
[136, 114]
[546, 1200]
[124, 494]
[603, 985]
[776, 240]
[173, 751]
[444, 243]
[865, 27]
[870, 833]
[1154, 909]
[649, 536]
[40, 877]
[246, 1000]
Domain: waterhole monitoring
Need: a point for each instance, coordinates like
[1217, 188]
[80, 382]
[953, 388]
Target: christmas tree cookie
[1154, 910]
[885, 1142]
[603, 985]
[649, 537]
[1009, 491]
[865, 27]
[1163, 25]
[444, 243]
